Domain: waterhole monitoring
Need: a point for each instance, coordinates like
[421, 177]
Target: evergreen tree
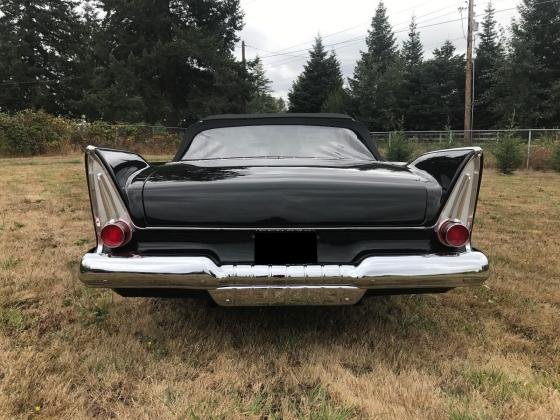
[85, 63]
[489, 57]
[321, 76]
[442, 90]
[412, 50]
[40, 41]
[381, 42]
[530, 84]
[377, 80]
[167, 61]
[412, 102]
[261, 101]
[338, 102]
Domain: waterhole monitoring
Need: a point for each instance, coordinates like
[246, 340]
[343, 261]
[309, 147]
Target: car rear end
[283, 233]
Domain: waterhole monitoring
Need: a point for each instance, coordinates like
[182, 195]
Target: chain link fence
[538, 143]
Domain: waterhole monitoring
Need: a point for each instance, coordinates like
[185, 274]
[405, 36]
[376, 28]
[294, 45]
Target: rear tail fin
[107, 174]
[459, 172]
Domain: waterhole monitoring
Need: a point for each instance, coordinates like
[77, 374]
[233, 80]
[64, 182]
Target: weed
[8, 263]
[12, 319]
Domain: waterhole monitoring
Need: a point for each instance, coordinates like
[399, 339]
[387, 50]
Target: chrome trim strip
[378, 272]
[297, 229]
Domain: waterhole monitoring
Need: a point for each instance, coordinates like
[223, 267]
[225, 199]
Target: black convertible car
[282, 209]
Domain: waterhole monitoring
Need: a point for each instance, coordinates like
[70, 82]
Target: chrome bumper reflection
[263, 284]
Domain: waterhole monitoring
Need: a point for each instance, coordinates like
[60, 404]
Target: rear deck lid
[287, 193]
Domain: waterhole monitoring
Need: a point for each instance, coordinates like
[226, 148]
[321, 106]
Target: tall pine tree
[40, 42]
[321, 76]
[412, 50]
[377, 80]
[489, 57]
[412, 101]
[442, 90]
[261, 100]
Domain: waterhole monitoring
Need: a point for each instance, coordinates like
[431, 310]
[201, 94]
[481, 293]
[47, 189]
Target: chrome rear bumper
[246, 285]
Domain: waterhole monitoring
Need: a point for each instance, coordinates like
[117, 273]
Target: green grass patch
[499, 387]
[8, 263]
[12, 319]
[81, 241]
[319, 404]
[305, 402]
[466, 414]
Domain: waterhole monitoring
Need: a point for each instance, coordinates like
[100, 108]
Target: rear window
[277, 141]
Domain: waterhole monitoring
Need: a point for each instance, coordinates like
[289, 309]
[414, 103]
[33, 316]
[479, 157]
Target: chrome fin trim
[461, 204]
[106, 202]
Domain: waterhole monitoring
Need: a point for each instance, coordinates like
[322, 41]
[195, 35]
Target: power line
[272, 52]
[358, 26]
[361, 38]
[280, 52]
[347, 62]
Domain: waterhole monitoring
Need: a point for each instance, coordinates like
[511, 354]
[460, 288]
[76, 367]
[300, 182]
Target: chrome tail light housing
[455, 222]
[107, 206]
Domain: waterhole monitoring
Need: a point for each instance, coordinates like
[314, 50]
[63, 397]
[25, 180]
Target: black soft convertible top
[241, 120]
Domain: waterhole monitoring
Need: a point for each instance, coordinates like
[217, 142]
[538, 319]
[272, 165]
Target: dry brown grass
[68, 351]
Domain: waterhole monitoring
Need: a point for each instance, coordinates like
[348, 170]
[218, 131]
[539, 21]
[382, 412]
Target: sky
[281, 31]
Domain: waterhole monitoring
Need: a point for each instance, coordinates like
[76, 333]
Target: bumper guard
[256, 285]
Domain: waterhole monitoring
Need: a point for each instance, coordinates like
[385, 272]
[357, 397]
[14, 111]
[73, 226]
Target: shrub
[508, 153]
[29, 133]
[541, 158]
[99, 133]
[400, 149]
[556, 158]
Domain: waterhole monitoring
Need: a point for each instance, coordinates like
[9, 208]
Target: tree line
[166, 62]
[172, 62]
[516, 78]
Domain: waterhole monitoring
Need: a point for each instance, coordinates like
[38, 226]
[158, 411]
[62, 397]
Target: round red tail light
[115, 234]
[453, 234]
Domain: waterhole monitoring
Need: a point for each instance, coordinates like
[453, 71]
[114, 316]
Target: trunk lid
[288, 193]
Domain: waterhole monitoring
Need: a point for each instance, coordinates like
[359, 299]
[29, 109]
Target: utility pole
[243, 54]
[469, 77]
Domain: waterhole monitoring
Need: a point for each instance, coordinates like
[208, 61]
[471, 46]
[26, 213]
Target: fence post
[389, 138]
[450, 136]
[529, 148]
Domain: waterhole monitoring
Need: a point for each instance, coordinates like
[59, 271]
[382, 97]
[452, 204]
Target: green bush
[29, 133]
[98, 132]
[400, 149]
[556, 158]
[508, 153]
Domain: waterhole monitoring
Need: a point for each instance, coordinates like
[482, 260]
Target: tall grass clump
[400, 149]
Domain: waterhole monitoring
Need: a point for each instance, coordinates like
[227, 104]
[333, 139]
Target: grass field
[68, 351]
